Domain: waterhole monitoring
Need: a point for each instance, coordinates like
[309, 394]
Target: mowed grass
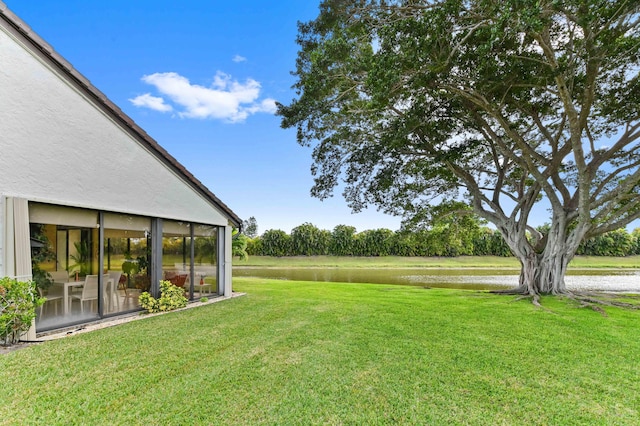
[425, 262]
[301, 353]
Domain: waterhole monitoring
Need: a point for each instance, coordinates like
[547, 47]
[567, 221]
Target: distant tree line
[454, 237]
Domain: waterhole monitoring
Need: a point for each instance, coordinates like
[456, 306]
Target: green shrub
[239, 245]
[18, 303]
[309, 240]
[171, 297]
[276, 242]
[254, 246]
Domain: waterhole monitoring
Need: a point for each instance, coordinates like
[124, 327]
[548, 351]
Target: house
[91, 207]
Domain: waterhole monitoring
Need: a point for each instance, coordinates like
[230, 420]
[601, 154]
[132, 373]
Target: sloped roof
[127, 122]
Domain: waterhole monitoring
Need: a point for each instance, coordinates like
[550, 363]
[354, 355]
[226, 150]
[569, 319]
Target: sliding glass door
[126, 263]
[91, 264]
[65, 263]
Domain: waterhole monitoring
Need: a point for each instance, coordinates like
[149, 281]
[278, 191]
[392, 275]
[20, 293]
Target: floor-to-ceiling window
[176, 254]
[91, 264]
[206, 259]
[127, 242]
[65, 263]
[201, 279]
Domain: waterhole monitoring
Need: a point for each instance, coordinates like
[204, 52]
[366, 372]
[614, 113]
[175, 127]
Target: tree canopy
[250, 227]
[414, 106]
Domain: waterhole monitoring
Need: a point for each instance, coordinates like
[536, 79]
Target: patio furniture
[59, 276]
[89, 291]
[179, 280]
[112, 289]
[53, 295]
[68, 288]
[200, 288]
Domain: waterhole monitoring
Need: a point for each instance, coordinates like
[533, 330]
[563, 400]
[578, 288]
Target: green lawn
[300, 353]
[426, 262]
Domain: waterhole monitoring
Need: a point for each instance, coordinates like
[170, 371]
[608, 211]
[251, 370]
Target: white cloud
[226, 99]
[239, 58]
[267, 105]
[152, 102]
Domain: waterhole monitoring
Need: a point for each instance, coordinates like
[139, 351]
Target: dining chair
[52, 296]
[111, 290]
[89, 291]
[61, 276]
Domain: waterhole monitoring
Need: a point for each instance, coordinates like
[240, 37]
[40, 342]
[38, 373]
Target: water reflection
[471, 279]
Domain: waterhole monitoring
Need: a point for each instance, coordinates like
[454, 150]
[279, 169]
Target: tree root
[522, 294]
[591, 300]
[587, 304]
[535, 299]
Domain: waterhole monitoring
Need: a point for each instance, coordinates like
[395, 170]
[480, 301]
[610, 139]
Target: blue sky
[201, 78]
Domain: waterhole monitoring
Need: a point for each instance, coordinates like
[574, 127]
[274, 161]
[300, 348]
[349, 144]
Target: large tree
[250, 227]
[508, 105]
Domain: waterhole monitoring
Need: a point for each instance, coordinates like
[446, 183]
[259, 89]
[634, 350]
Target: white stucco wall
[2, 237]
[56, 146]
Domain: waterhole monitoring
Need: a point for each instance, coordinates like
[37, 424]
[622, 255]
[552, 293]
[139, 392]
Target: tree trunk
[543, 274]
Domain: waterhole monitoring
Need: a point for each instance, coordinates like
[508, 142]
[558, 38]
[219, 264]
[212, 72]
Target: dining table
[200, 288]
[109, 285]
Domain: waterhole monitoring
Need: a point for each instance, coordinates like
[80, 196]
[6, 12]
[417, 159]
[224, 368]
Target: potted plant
[82, 258]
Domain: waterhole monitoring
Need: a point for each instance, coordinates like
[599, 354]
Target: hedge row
[447, 240]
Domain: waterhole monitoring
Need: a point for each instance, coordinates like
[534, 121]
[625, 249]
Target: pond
[467, 278]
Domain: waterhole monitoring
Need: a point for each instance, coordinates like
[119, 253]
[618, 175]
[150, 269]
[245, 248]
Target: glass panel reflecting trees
[206, 260]
[127, 240]
[66, 261]
[176, 254]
